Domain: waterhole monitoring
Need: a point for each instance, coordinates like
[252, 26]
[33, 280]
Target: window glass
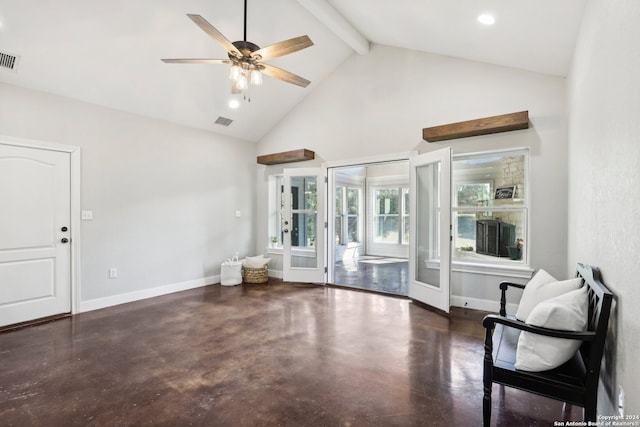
[391, 216]
[347, 220]
[353, 201]
[405, 216]
[490, 208]
[303, 211]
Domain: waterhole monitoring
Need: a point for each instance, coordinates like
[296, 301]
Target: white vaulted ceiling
[108, 53]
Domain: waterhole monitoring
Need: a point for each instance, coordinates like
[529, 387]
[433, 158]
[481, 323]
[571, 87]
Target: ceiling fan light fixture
[246, 58]
[235, 72]
[256, 77]
[242, 83]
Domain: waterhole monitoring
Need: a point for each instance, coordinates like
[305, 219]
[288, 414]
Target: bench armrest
[490, 321]
[503, 297]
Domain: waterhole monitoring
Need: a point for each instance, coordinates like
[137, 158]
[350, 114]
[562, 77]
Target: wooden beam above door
[484, 126]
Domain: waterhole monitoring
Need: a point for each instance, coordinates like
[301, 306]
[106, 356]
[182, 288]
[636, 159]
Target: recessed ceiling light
[486, 19]
[234, 103]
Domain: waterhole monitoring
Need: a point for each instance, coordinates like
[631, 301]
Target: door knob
[286, 230]
[64, 240]
[64, 229]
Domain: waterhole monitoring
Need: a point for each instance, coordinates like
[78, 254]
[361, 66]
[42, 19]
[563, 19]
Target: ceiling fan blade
[215, 34]
[195, 61]
[284, 48]
[286, 76]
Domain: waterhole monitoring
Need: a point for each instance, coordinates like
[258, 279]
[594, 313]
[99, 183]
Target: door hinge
[326, 179]
[326, 269]
[326, 224]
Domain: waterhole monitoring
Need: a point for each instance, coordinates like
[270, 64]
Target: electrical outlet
[113, 273]
[620, 401]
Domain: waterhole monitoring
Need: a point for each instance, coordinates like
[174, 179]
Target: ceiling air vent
[223, 121]
[8, 61]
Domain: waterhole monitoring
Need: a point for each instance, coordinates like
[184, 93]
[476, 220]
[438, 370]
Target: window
[391, 215]
[347, 225]
[489, 209]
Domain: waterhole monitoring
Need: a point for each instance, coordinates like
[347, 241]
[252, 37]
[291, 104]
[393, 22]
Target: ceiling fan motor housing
[245, 47]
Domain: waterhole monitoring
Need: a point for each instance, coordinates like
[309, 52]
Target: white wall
[163, 196]
[604, 178]
[378, 103]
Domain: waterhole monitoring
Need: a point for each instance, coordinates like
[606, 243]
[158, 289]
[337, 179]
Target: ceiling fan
[246, 57]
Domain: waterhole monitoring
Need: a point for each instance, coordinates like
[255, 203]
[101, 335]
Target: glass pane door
[430, 250]
[303, 225]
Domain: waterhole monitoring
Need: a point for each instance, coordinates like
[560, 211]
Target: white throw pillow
[540, 288]
[567, 312]
[255, 261]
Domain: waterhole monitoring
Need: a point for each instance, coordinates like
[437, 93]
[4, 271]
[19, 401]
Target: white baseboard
[98, 303]
[481, 304]
[275, 273]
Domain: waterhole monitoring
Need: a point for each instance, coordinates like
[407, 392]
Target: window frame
[400, 248]
[345, 215]
[491, 264]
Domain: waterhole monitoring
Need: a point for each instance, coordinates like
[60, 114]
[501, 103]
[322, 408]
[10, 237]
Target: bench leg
[590, 406]
[487, 379]
[486, 406]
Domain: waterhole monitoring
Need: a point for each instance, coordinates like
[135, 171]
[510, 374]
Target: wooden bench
[576, 381]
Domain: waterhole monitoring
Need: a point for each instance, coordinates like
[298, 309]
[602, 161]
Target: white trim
[275, 273]
[388, 181]
[511, 271]
[98, 303]
[520, 272]
[481, 304]
[383, 158]
[33, 143]
[461, 156]
[75, 159]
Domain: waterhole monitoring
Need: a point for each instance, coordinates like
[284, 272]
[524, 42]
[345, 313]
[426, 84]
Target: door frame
[75, 162]
[330, 244]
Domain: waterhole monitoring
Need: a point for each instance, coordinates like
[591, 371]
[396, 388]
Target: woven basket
[255, 275]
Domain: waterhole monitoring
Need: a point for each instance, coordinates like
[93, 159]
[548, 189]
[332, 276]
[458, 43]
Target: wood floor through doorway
[279, 354]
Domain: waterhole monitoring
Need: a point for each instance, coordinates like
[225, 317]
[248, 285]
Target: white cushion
[255, 261]
[567, 312]
[540, 288]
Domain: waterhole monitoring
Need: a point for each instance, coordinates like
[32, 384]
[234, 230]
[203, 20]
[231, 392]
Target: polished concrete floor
[258, 355]
[379, 274]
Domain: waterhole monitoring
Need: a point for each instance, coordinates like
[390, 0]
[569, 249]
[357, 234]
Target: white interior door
[303, 225]
[35, 255]
[430, 225]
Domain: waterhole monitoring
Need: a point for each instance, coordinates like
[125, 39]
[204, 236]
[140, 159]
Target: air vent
[8, 61]
[223, 121]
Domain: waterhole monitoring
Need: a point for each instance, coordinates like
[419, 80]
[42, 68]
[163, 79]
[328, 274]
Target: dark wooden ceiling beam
[287, 157]
[484, 126]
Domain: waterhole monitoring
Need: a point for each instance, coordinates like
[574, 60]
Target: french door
[430, 228]
[303, 225]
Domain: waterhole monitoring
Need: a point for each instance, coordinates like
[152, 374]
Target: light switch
[87, 215]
